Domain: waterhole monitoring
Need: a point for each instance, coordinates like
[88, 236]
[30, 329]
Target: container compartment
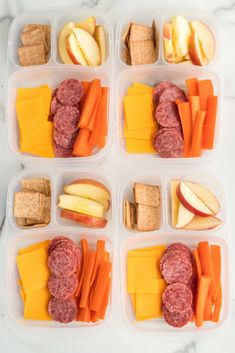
[158, 326]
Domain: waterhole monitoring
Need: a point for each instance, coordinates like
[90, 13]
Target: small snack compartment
[195, 39]
[143, 80]
[30, 200]
[159, 326]
[51, 76]
[91, 191]
[195, 203]
[14, 305]
[33, 33]
[92, 30]
[142, 205]
[140, 44]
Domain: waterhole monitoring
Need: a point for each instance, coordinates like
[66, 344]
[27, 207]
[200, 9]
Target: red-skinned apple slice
[174, 203]
[205, 37]
[190, 201]
[195, 51]
[88, 221]
[205, 195]
[74, 51]
[203, 223]
[184, 217]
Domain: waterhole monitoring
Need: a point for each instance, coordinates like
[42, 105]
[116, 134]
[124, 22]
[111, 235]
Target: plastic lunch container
[52, 73]
[118, 76]
[166, 234]
[161, 70]
[16, 238]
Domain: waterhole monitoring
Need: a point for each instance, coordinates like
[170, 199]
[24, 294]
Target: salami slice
[180, 247]
[66, 119]
[159, 88]
[64, 140]
[55, 241]
[177, 297]
[177, 268]
[62, 263]
[169, 143]
[61, 152]
[55, 104]
[171, 94]
[63, 288]
[177, 319]
[167, 115]
[70, 92]
[62, 310]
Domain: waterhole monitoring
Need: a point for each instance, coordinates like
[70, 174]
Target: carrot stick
[87, 278]
[208, 308]
[89, 103]
[100, 285]
[91, 124]
[194, 103]
[192, 85]
[216, 263]
[84, 257]
[207, 265]
[82, 147]
[205, 90]
[196, 150]
[186, 121]
[100, 130]
[86, 86]
[106, 257]
[202, 293]
[197, 262]
[84, 314]
[94, 316]
[208, 134]
[100, 246]
[105, 301]
[218, 305]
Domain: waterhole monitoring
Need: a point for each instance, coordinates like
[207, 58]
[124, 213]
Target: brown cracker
[32, 55]
[125, 55]
[46, 29]
[142, 52]
[146, 194]
[41, 185]
[148, 218]
[29, 205]
[34, 37]
[140, 33]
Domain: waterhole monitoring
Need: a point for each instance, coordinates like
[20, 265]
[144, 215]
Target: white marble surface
[116, 338]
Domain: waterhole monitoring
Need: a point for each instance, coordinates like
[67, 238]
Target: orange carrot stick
[207, 265]
[100, 247]
[91, 124]
[84, 314]
[87, 278]
[192, 85]
[100, 130]
[197, 262]
[208, 134]
[94, 316]
[196, 150]
[82, 147]
[89, 103]
[86, 86]
[105, 300]
[208, 308]
[100, 285]
[216, 263]
[205, 90]
[218, 305]
[202, 293]
[186, 122]
[194, 103]
[84, 258]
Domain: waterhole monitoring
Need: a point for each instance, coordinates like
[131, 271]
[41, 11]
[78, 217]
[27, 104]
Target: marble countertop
[116, 338]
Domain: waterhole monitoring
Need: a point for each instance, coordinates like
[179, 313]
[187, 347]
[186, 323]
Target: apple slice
[174, 203]
[205, 37]
[195, 51]
[81, 205]
[88, 25]
[190, 201]
[89, 189]
[74, 51]
[86, 220]
[205, 195]
[168, 44]
[64, 33]
[184, 217]
[181, 33]
[88, 46]
[203, 223]
[99, 36]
